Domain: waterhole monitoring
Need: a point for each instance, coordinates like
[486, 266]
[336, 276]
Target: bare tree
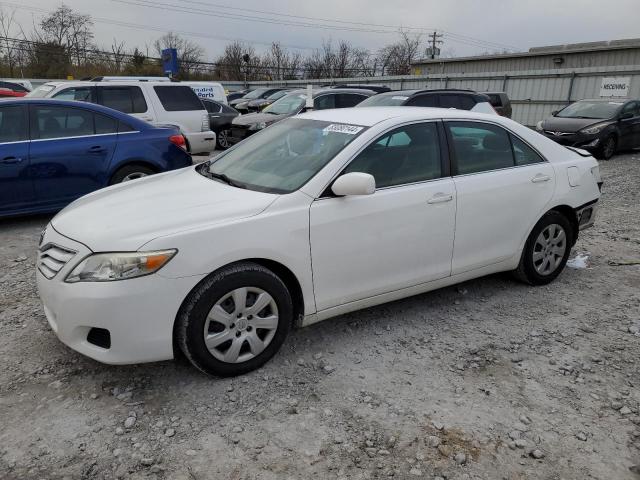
[189, 53]
[396, 58]
[11, 50]
[280, 64]
[119, 54]
[231, 65]
[65, 28]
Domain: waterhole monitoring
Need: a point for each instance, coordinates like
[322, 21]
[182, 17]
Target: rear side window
[212, 107]
[123, 99]
[227, 109]
[423, 101]
[13, 124]
[494, 99]
[105, 124]
[176, 98]
[523, 153]
[59, 122]
[480, 147]
[125, 127]
[347, 100]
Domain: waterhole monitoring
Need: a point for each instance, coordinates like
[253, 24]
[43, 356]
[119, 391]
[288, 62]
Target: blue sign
[170, 61]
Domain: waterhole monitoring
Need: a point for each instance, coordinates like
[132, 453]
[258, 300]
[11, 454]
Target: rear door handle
[539, 178]
[440, 198]
[10, 160]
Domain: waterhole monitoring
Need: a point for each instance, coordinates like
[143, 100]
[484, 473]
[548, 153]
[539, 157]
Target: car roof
[370, 116]
[610, 99]
[318, 91]
[78, 104]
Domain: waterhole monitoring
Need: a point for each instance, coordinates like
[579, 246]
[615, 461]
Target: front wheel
[546, 251]
[608, 148]
[235, 321]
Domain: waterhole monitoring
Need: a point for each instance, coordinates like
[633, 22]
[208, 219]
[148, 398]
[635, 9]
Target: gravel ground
[490, 379]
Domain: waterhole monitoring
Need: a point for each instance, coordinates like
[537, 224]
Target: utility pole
[433, 51]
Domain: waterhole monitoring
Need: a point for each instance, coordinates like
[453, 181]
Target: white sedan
[317, 215]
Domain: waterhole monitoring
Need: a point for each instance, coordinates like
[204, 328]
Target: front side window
[13, 124]
[81, 94]
[480, 147]
[59, 122]
[282, 157]
[405, 155]
[176, 98]
[632, 107]
[324, 102]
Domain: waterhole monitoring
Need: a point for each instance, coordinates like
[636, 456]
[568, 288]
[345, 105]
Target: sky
[469, 27]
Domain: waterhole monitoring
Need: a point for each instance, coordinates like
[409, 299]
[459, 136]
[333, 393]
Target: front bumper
[139, 313]
[201, 142]
[577, 139]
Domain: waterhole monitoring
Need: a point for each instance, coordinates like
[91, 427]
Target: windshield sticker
[342, 128]
[399, 97]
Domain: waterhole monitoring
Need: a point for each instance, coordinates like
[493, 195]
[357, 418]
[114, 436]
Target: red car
[7, 92]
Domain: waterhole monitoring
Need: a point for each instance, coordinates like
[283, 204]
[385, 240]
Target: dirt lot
[490, 379]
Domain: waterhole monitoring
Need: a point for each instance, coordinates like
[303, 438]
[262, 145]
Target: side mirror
[354, 183]
[625, 115]
[554, 113]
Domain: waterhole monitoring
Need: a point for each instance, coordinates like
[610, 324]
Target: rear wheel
[235, 321]
[222, 139]
[130, 172]
[546, 251]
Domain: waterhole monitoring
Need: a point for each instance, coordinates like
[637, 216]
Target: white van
[209, 90]
[159, 103]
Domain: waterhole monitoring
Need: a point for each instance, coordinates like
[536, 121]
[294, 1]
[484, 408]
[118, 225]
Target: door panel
[368, 245]
[67, 159]
[400, 236]
[503, 187]
[16, 189]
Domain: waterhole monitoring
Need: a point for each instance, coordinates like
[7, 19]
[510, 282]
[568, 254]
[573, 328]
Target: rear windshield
[41, 91]
[175, 98]
[384, 101]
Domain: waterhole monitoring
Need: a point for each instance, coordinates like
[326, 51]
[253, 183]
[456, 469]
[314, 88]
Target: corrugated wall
[534, 94]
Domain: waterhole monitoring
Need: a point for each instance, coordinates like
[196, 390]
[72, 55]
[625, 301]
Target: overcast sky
[469, 26]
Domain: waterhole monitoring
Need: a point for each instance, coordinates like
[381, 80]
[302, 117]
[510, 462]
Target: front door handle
[539, 178]
[97, 149]
[10, 160]
[440, 198]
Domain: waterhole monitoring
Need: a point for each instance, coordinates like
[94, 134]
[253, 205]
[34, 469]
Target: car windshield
[590, 110]
[384, 101]
[287, 104]
[277, 95]
[41, 91]
[255, 94]
[282, 157]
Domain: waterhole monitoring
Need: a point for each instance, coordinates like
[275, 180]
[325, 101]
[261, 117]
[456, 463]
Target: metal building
[571, 56]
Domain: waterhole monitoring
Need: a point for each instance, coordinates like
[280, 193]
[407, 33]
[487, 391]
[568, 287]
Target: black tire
[527, 270]
[608, 148]
[221, 139]
[128, 171]
[194, 311]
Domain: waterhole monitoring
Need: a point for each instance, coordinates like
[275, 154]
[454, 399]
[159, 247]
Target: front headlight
[592, 130]
[258, 126]
[108, 267]
[539, 126]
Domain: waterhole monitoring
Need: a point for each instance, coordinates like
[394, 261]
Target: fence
[534, 94]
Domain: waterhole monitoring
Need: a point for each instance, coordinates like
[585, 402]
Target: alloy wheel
[223, 140]
[549, 249]
[134, 176]
[241, 325]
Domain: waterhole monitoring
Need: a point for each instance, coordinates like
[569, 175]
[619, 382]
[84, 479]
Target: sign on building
[615, 86]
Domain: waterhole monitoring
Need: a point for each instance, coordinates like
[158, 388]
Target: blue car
[54, 151]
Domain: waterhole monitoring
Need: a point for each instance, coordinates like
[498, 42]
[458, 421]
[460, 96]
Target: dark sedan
[220, 118]
[601, 126]
[53, 152]
[241, 104]
[259, 103]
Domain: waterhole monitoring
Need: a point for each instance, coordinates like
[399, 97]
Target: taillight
[179, 141]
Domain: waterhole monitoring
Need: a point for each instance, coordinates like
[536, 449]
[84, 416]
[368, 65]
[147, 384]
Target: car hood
[569, 125]
[258, 117]
[126, 216]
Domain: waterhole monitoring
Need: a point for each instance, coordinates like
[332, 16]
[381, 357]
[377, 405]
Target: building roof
[545, 50]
